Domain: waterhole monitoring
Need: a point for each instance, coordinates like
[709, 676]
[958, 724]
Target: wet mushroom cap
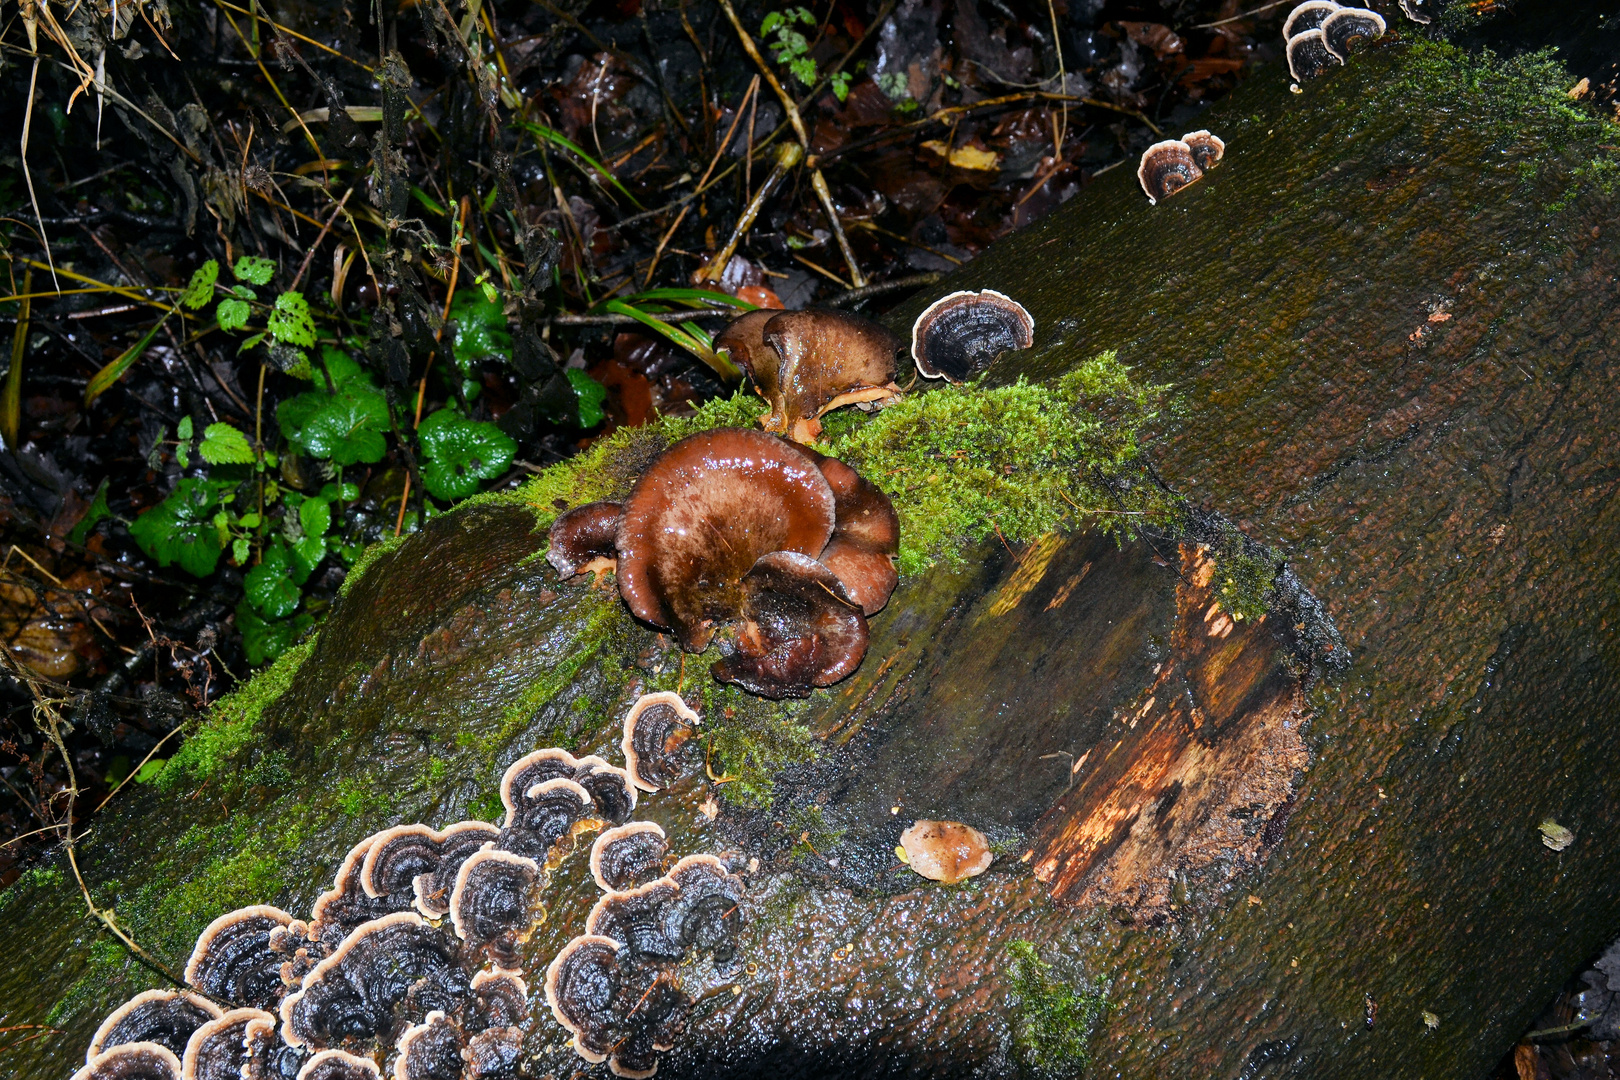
[1349, 27]
[744, 339]
[233, 960]
[962, 333]
[1166, 168]
[581, 985]
[947, 851]
[502, 996]
[165, 1017]
[339, 1065]
[345, 906]
[531, 769]
[493, 1051]
[422, 861]
[1309, 56]
[218, 1049]
[865, 538]
[582, 539]
[801, 629]
[828, 359]
[700, 517]
[269, 1056]
[430, 1050]
[706, 914]
[1307, 16]
[656, 732]
[636, 919]
[628, 856]
[132, 1061]
[1207, 149]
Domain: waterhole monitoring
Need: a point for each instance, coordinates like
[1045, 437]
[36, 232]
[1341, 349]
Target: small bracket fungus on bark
[165, 1017]
[1307, 16]
[549, 813]
[431, 1050]
[1413, 9]
[233, 960]
[1207, 149]
[609, 786]
[658, 731]
[962, 333]
[339, 1065]
[345, 906]
[1166, 168]
[634, 918]
[946, 851]
[492, 906]
[1350, 27]
[422, 861]
[617, 1010]
[218, 1049]
[501, 998]
[132, 1061]
[628, 856]
[1309, 56]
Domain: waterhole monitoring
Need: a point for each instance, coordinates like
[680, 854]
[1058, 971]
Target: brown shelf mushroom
[132, 1061]
[339, 1065]
[493, 904]
[1412, 10]
[218, 1049]
[1166, 168]
[962, 333]
[1350, 27]
[1207, 149]
[268, 1055]
[431, 1050]
[628, 856]
[707, 912]
[422, 861]
[546, 815]
[610, 787]
[233, 960]
[1309, 56]
[614, 1008]
[501, 999]
[1307, 16]
[345, 905]
[947, 851]
[866, 536]
[635, 919]
[493, 1052]
[657, 734]
[165, 1017]
[800, 629]
[582, 540]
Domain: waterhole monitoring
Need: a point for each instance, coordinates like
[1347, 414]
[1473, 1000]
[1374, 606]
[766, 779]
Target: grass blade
[557, 138]
[102, 380]
[699, 345]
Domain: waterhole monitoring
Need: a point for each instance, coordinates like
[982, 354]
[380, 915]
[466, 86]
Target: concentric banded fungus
[628, 856]
[531, 769]
[1413, 11]
[268, 1055]
[657, 733]
[1166, 168]
[492, 906]
[824, 359]
[346, 905]
[501, 999]
[422, 861]
[636, 919]
[1307, 16]
[132, 1061]
[233, 960]
[582, 540]
[1207, 150]
[165, 1017]
[218, 1049]
[352, 994]
[946, 851]
[707, 913]
[1350, 27]
[800, 629]
[545, 815]
[627, 1010]
[610, 787]
[430, 1050]
[493, 1052]
[339, 1065]
[1309, 56]
[962, 333]
[865, 538]
[700, 517]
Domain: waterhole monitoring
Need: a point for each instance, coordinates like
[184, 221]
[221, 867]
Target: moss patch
[748, 740]
[1053, 1018]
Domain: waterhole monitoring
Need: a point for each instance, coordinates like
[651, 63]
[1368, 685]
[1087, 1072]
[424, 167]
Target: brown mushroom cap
[827, 359]
[865, 538]
[1166, 168]
[614, 1006]
[493, 1052]
[1207, 149]
[268, 1055]
[700, 517]
[635, 919]
[801, 629]
[345, 905]
[493, 905]
[165, 1017]
[422, 861]
[218, 1049]
[1307, 16]
[657, 730]
[947, 851]
[233, 960]
[1349, 27]
[611, 787]
[132, 1061]
[962, 333]
[582, 540]
[707, 912]
[628, 856]
[339, 1065]
[744, 339]
[1309, 56]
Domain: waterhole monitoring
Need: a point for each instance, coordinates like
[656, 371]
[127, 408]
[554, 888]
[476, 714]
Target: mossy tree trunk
[1396, 364]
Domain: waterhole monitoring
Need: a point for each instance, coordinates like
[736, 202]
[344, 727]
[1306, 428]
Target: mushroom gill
[800, 629]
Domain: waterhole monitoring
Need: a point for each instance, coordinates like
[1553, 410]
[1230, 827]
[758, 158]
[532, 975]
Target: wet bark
[1396, 364]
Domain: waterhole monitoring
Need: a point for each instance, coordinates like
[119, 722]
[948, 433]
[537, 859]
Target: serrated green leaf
[346, 427]
[255, 269]
[200, 289]
[772, 21]
[290, 321]
[232, 314]
[461, 453]
[249, 343]
[180, 529]
[315, 516]
[224, 445]
[182, 454]
[240, 549]
[243, 292]
[183, 430]
[591, 394]
[270, 587]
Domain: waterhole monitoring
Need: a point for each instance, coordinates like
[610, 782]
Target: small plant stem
[787, 157]
[11, 398]
[719, 151]
[310, 254]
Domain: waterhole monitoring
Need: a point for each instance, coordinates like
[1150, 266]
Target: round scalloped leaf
[270, 586]
[480, 330]
[255, 269]
[200, 289]
[462, 453]
[224, 445]
[266, 639]
[591, 394]
[180, 529]
[346, 427]
[232, 314]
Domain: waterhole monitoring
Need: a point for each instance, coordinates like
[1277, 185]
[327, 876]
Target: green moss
[367, 558]
[1053, 1019]
[38, 877]
[1245, 572]
[810, 831]
[219, 738]
[750, 740]
[592, 638]
[357, 797]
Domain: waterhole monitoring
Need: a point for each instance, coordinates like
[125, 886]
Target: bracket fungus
[491, 907]
[628, 856]
[1350, 27]
[1309, 56]
[548, 813]
[610, 787]
[268, 1055]
[807, 363]
[165, 1017]
[132, 1061]
[1166, 168]
[582, 540]
[1413, 9]
[218, 1049]
[431, 1050]
[1307, 16]
[501, 998]
[1207, 149]
[946, 851]
[962, 333]
[657, 735]
[423, 861]
[635, 918]
[339, 1065]
[346, 905]
[233, 960]
[621, 1013]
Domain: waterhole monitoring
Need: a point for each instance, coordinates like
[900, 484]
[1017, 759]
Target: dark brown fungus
[700, 517]
[531, 769]
[339, 1065]
[1207, 149]
[826, 359]
[493, 1052]
[218, 1049]
[1307, 16]
[582, 540]
[1166, 168]
[1350, 27]
[744, 339]
[547, 814]
[1309, 56]
[346, 905]
[614, 1007]
[865, 537]
[635, 919]
[1414, 11]
[652, 1024]
[233, 960]
[628, 856]
[351, 995]
[657, 740]
[165, 1017]
[422, 861]
[800, 630]
[611, 788]
[268, 1055]
[493, 906]
[132, 1061]
[431, 1050]
[706, 914]
[501, 999]
[963, 332]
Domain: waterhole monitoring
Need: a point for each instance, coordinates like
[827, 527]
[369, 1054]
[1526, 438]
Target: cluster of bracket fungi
[410, 962]
[787, 549]
[1171, 165]
[1321, 33]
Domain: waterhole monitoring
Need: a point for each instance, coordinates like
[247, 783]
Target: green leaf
[270, 586]
[342, 367]
[103, 379]
[242, 292]
[99, 511]
[480, 330]
[180, 529]
[149, 772]
[721, 362]
[200, 289]
[557, 138]
[232, 314]
[240, 549]
[804, 70]
[840, 85]
[772, 21]
[306, 556]
[346, 427]
[183, 430]
[182, 454]
[266, 639]
[591, 394]
[315, 516]
[253, 268]
[290, 321]
[461, 453]
[224, 445]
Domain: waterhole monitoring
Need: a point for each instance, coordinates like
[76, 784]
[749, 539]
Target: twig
[310, 254]
[854, 296]
[786, 158]
[1243, 15]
